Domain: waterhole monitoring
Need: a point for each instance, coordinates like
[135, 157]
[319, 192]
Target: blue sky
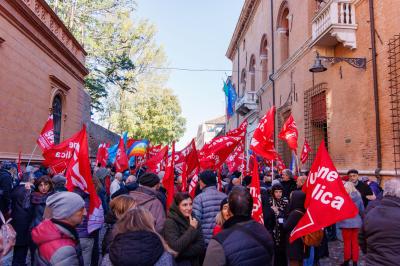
[195, 35]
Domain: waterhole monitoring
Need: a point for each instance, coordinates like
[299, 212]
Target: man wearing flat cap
[148, 197]
[57, 238]
[206, 205]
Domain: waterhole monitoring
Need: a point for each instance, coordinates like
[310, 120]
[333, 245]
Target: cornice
[241, 26]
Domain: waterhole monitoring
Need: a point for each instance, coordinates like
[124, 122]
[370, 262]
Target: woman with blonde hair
[223, 215]
[136, 241]
[350, 227]
[118, 206]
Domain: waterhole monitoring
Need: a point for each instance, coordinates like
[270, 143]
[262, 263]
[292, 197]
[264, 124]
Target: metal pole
[30, 158]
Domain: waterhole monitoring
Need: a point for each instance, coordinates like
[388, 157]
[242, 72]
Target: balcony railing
[246, 103]
[335, 22]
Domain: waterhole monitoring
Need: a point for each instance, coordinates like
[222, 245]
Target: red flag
[102, 154]
[237, 161]
[78, 174]
[305, 152]
[215, 153]
[327, 201]
[57, 157]
[289, 133]
[219, 179]
[46, 137]
[154, 163]
[153, 151]
[262, 142]
[240, 131]
[169, 177]
[193, 184]
[190, 163]
[280, 165]
[254, 187]
[121, 160]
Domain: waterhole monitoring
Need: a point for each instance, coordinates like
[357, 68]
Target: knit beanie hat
[64, 204]
[223, 202]
[149, 180]
[208, 177]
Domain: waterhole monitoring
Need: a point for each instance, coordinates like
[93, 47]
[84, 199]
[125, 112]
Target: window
[252, 73]
[57, 115]
[264, 59]
[283, 31]
[243, 82]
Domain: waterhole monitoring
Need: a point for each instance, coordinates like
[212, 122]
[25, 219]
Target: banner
[79, 175]
[327, 201]
[46, 137]
[289, 133]
[262, 142]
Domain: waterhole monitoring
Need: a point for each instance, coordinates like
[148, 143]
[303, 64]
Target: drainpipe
[238, 85]
[376, 93]
[273, 62]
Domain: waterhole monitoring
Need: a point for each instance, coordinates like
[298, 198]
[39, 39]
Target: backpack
[313, 239]
[7, 236]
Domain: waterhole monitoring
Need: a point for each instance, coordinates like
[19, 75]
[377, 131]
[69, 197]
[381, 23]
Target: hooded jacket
[6, 182]
[183, 238]
[21, 214]
[379, 236]
[295, 250]
[58, 244]
[141, 248]
[206, 206]
[148, 199]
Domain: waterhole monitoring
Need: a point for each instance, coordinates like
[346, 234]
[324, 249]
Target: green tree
[151, 113]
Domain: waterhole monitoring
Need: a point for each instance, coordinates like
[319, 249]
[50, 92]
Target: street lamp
[356, 62]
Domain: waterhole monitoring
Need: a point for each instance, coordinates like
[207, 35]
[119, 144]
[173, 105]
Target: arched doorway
[57, 117]
[283, 31]
[264, 59]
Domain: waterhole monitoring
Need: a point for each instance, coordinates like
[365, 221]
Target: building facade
[208, 130]
[353, 105]
[42, 70]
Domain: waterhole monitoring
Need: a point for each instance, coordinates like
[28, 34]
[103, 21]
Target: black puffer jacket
[183, 238]
[21, 214]
[138, 248]
[380, 234]
[295, 251]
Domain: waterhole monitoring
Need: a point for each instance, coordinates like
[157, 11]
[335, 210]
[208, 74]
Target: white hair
[118, 175]
[392, 187]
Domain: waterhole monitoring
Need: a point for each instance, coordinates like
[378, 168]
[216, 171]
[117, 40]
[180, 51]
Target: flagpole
[298, 165]
[30, 158]
[273, 172]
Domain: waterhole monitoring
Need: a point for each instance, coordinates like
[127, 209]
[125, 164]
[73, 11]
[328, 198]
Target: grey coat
[355, 222]
[205, 207]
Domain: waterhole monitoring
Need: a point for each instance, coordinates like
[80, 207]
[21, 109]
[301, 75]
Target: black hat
[149, 180]
[208, 177]
[352, 171]
[223, 202]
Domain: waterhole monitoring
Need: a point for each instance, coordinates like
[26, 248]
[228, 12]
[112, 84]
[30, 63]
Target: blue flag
[230, 97]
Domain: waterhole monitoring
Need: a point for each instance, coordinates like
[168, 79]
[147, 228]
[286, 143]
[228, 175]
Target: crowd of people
[213, 228]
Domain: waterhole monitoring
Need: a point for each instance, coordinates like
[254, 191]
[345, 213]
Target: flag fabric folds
[305, 152]
[289, 133]
[230, 97]
[138, 148]
[240, 131]
[155, 163]
[169, 177]
[78, 174]
[327, 201]
[46, 137]
[262, 142]
[257, 212]
[215, 153]
[190, 164]
[102, 154]
[121, 159]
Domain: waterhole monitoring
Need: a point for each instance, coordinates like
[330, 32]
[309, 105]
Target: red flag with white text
[121, 160]
[102, 154]
[169, 177]
[236, 161]
[257, 213]
[79, 175]
[240, 131]
[46, 137]
[327, 201]
[155, 163]
[305, 152]
[57, 157]
[289, 133]
[215, 153]
[262, 142]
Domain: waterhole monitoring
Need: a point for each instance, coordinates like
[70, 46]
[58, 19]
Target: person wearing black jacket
[296, 250]
[183, 233]
[288, 183]
[6, 182]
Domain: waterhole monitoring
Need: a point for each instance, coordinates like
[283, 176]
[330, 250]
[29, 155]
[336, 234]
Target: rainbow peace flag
[138, 148]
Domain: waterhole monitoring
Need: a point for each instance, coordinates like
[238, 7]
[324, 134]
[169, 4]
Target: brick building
[353, 105]
[42, 70]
